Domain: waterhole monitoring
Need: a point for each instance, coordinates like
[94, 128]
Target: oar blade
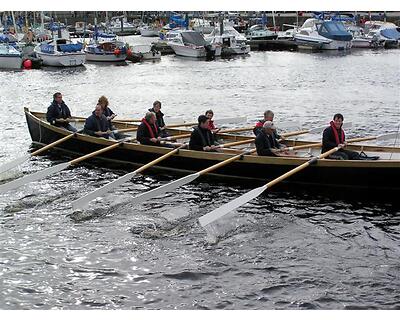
[32, 177]
[14, 163]
[318, 129]
[84, 201]
[289, 125]
[388, 136]
[230, 206]
[164, 188]
[231, 120]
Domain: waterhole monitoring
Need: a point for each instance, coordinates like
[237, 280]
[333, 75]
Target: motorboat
[323, 34]
[189, 43]
[60, 53]
[149, 31]
[202, 25]
[106, 48]
[121, 26]
[361, 40]
[260, 32]
[384, 31]
[230, 41]
[10, 57]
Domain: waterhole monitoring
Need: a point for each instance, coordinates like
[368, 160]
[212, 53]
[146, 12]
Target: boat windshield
[333, 26]
[193, 38]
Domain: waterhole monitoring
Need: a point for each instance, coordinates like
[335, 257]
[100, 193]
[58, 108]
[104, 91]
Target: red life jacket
[335, 133]
[260, 124]
[150, 129]
[211, 125]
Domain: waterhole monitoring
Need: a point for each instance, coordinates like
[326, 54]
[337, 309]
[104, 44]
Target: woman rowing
[159, 118]
[110, 115]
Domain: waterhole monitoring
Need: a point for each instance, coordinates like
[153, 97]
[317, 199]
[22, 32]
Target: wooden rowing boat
[370, 179]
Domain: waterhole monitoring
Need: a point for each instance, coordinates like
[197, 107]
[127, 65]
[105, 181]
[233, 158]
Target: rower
[202, 138]
[211, 126]
[266, 143]
[268, 116]
[159, 118]
[148, 132]
[97, 124]
[58, 113]
[110, 115]
[333, 136]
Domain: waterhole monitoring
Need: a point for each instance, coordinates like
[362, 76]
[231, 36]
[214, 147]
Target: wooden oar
[46, 172]
[82, 202]
[236, 203]
[16, 162]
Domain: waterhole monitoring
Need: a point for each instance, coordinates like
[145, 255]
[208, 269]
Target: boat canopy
[391, 33]
[46, 48]
[193, 38]
[334, 30]
[71, 47]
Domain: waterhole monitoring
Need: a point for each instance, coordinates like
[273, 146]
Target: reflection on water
[280, 251]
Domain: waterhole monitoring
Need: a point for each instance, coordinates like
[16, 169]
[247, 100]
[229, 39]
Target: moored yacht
[189, 43]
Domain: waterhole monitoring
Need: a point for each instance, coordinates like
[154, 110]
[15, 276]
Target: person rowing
[268, 116]
[110, 115]
[333, 136]
[58, 113]
[202, 138]
[97, 124]
[266, 143]
[159, 118]
[211, 125]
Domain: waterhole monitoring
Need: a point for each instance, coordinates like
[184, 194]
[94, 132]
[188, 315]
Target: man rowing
[333, 136]
[202, 138]
[266, 143]
[148, 132]
[97, 124]
[268, 116]
[58, 113]
[159, 118]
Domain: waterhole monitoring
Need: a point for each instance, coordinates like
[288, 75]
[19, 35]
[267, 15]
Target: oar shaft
[236, 143]
[95, 153]
[53, 144]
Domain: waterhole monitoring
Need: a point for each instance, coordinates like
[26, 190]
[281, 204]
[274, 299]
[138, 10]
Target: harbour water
[286, 251]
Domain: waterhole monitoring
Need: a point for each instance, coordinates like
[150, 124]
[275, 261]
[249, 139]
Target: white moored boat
[231, 42]
[60, 53]
[323, 34]
[10, 58]
[190, 43]
[106, 48]
[149, 31]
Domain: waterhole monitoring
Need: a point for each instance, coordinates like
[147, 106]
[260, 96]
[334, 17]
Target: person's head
[209, 114]
[150, 117]
[57, 97]
[103, 101]
[203, 121]
[268, 127]
[157, 106]
[268, 115]
[338, 120]
[98, 111]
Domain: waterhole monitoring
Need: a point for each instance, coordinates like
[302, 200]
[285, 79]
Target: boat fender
[117, 52]
[313, 160]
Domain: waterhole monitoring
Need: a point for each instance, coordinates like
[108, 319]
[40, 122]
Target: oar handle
[225, 162]
[51, 145]
[95, 153]
[300, 167]
[152, 163]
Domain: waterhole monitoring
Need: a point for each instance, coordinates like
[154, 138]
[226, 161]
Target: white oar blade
[231, 120]
[84, 201]
[388, 136]
[230, 206]
[14, 163]
[288, 125]
[32, 177]
[164, 188]
[174, 120]
[318, 129]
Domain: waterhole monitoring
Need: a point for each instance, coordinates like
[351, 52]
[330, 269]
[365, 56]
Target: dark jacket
[94, 124]
[107, 112]
[143, 134]
[264, 143]
[201, 138]
[55, 111]
[258, 128]
[160, 118]
[329, 140]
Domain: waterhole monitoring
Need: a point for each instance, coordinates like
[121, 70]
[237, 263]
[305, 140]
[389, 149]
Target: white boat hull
[62, 60]
[361, 43]
[10, 62]
[106, 57]
[186, 51]
[321, 43]
[149, 33]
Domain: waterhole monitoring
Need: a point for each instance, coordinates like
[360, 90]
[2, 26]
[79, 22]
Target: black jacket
[107, 112]
[93, 124]
[201, 138]
[160, 118]
[328, 139]
[143, 134]
[258, 128]
[55, 111]
[264, 143]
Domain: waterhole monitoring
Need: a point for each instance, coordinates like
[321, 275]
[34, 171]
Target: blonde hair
[103, 100]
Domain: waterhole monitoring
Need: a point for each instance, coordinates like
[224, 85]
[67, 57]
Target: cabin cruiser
[260, 32]
[323, 34]
[231, 42]
[60, 53]
[106, 48]
[361, 40]
[189, 43]
[384, 31]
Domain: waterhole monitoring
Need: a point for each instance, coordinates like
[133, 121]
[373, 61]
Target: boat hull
[62, 60]
[106, 57]
[10, 62]
[186, 51]
[374, 180]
